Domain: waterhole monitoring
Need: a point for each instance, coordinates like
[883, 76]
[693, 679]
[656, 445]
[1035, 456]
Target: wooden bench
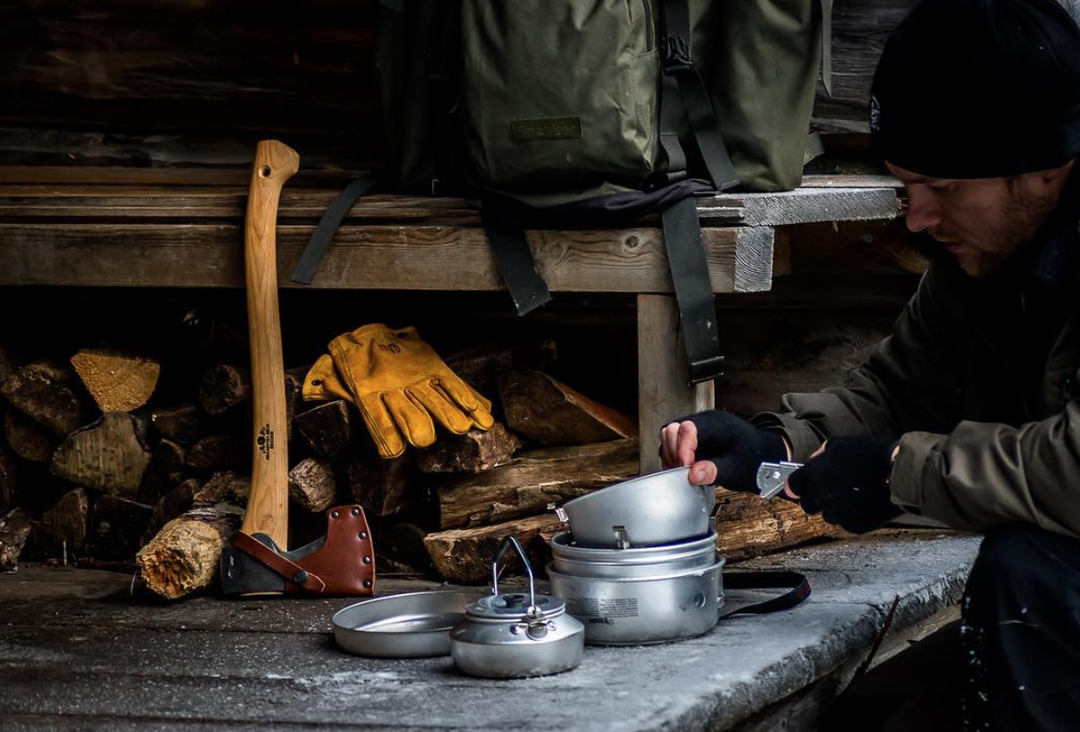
[172, 228]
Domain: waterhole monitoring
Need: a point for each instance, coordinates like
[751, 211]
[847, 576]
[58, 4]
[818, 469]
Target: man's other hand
[720, 448]
[847, 482]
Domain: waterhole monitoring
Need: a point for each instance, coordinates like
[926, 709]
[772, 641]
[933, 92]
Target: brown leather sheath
[343, 565]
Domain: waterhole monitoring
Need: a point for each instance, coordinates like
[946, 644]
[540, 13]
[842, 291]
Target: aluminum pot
[571, 559]
[639, 610]
[652, 510]
[516, 635]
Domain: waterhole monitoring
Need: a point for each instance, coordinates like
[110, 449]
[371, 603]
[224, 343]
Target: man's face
[981, 221]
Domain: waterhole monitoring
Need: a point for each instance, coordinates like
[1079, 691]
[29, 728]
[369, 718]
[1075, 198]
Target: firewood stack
[100, 462]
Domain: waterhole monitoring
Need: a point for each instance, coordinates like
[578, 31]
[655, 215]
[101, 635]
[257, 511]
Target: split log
[14, 528]
[534, 480]
[62, 530]
[164, 471]
[550, 412]
[171, 505]
[117, 381]
[28, 439]
[224, 389]
[479, 366]
[116, 527]
[9, 478]
[473, 452]
[312, 485]
[106, 455]
[748, 526]
[46, 393]
[218, 451]
[183, 557]
[383, 487]
[464, 555]
[327, 428]
[224, 486]
[182, 424]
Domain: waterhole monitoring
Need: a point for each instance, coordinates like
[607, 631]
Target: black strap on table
[796, 584]
[693, 289]
[323, 235]
[515, 262]
[692, 101]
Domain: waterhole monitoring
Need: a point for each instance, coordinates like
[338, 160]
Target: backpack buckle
[675, 55]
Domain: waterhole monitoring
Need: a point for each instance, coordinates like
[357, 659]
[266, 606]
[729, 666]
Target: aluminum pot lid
[514, 607]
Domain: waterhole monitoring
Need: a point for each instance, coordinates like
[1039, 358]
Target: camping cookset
[638, 565]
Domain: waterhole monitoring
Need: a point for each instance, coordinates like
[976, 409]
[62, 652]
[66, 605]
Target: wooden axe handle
[268, 504]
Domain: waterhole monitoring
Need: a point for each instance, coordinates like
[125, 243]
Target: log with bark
[479, 366]
[224, 486]
[224, 389]
[45, 392]
[117, 381]
[9, 478]
[14, 529]
[326, 429]
[312, 485]
[28, 439]
[534, 480]
[401, 548]
[464, 555]
[183, 557]
[107, 455]
[748, 526]
[473, 452]
[214, 452]
[172, 504]
[550, 412]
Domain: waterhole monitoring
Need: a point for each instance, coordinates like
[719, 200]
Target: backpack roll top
[559, 94]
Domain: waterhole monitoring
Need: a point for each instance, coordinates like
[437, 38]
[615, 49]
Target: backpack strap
[796, 583]
[515, 263]
[691, 102]
[693, 289]
[328, 225]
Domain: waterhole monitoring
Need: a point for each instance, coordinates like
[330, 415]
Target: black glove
[848, 484]
[736, 447]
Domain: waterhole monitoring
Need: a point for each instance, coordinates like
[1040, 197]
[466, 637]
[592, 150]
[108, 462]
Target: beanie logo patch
[875, 114]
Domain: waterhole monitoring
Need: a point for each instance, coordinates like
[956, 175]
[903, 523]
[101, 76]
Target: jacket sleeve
[911, 381]
[983, 475]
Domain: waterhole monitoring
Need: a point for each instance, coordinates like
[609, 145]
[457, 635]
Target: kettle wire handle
[508, 542]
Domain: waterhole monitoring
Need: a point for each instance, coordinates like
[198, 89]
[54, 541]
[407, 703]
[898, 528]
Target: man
[969, 413]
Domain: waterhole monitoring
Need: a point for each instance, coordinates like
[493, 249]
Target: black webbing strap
[678, 64]
[693, 289]
[515, 262]
[797, 585]
[328, 225]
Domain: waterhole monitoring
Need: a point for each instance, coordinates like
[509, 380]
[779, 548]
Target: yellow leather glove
[399, 383]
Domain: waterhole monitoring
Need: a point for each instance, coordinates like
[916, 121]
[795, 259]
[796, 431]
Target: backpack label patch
[552, 128]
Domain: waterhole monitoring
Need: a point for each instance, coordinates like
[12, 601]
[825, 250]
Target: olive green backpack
[594, 112]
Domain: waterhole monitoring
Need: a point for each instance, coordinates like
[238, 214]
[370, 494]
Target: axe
[258, 561]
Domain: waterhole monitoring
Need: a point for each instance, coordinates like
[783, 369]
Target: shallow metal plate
[412, 625]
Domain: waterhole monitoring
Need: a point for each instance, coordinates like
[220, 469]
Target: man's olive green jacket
[979, 387]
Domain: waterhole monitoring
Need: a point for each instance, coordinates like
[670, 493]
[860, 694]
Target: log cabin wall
[191, 85]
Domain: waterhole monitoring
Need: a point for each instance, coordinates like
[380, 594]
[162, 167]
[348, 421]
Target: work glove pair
[847, 482]
[398, 383]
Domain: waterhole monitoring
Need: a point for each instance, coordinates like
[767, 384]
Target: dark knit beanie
[979, 89]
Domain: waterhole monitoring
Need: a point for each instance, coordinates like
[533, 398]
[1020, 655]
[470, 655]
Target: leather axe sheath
[258, 562]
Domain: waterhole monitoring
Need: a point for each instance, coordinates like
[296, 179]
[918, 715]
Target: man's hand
[847, 482]
[721, 448]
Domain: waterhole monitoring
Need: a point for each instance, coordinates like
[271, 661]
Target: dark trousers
[1020, 633]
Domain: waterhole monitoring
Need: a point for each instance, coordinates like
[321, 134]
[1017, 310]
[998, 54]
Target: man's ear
[1055, 173]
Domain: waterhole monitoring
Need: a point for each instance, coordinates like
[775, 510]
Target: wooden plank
[405, 257]
[663, 373]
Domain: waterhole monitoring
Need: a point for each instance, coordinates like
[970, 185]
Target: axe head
[341, 563]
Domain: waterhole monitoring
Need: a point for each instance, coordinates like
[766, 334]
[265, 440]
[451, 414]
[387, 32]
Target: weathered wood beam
[380, 257]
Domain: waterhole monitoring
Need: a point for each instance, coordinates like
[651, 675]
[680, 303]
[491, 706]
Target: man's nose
[923, 211]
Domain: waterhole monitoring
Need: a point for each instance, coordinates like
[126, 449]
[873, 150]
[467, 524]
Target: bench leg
[663, 392]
